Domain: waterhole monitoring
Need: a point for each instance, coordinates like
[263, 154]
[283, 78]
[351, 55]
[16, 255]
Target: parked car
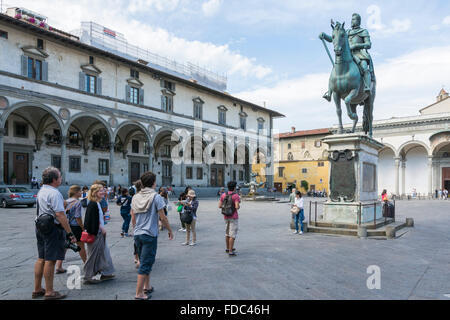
[12, 196]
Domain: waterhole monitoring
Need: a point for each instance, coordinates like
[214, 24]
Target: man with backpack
[229, 203]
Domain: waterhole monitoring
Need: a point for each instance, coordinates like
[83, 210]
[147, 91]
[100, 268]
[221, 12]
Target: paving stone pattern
[272, 263]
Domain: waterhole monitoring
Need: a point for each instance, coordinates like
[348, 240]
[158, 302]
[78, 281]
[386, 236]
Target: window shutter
[127, 93]
[173, 86]
[99, 86]
[162, 83]
[141, 96]
[82, 81]
[24, 65]
[170, 108]
[44, 71]
[163, 103]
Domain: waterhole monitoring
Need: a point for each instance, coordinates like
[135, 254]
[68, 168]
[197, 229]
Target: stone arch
[391, 147]
[409, 145]
[23, 104]
[89, 115]
[415, 156]
[132, 123]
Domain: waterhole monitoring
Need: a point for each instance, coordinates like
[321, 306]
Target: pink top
[235, 198]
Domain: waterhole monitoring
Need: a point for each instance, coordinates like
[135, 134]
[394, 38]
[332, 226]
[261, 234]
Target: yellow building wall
[292, 173]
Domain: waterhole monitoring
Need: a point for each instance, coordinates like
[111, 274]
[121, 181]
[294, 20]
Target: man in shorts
[231, 222]
[51, 244]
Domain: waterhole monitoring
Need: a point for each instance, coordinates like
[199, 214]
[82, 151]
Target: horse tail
[366, 118]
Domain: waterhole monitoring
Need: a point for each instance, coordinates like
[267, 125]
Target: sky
[270, 49]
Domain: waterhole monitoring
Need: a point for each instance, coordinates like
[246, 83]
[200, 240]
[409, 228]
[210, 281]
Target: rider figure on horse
[359, 41]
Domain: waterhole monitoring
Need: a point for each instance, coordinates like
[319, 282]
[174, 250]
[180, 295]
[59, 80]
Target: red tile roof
[303, 133]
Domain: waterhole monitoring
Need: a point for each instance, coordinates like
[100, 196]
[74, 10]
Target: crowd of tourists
[79, 224]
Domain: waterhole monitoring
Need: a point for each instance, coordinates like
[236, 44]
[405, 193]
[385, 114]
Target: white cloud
[446, 20]
[121, 18]
[405, 84]
[211, 7]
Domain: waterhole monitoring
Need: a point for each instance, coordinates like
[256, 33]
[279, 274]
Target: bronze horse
[346, 82]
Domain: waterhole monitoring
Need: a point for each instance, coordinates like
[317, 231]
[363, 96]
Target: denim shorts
[146, 248]
[51, 246]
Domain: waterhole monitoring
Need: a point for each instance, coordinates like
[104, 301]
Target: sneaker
[184, 243]
[301, 232]
[181, 229]
[192, 243]
[295, 232]
[184, 230]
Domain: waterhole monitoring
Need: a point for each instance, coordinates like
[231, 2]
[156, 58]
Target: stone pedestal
[353, 196]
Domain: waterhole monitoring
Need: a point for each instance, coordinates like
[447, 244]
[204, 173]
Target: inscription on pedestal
[369, 176]
[342, 177]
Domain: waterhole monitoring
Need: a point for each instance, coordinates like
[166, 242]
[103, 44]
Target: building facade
[416, 156]
[300, 156]
[96, 114]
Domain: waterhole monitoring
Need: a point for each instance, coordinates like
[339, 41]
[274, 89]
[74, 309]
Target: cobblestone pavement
[272, 263]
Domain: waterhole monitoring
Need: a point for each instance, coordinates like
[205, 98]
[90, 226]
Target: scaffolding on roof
[112, 41]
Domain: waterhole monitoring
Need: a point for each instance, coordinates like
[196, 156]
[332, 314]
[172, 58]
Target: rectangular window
[146, 147]
[3, 34]
[74, 164]
[20, 130]
[56, 161]
[222, 117]
[234, 175]
[91, 60]
[318, 144]
[145, 167]
[6, 128]
[169, 85]
[103, 167]
[321, 164]
[40, 44]
[304, 170]
[90, 83]
[289, 145]
[303, 145]
[188, 172]
[199, 173]
[135, 146]
[73, 137]
[167, 103]
[134, 74]
[197, 110]
[134, 95]
[260, 126]
[34, 69]
[281, 171]
[241, 175]
[243, 123]
[167, 150]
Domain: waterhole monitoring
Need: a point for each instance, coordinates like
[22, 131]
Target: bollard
[362, 232]
[390, 232]
[410, 222]
[305, 227]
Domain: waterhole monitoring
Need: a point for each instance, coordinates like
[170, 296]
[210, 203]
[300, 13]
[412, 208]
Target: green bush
[305, 185]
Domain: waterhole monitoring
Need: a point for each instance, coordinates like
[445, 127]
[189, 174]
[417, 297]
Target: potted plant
[13, 178]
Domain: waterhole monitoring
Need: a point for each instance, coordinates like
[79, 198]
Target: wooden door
[167, 173]
[278, 186]
[135, 171]
[445, 178]
[220, 177]
[213, 177]
[20, 165]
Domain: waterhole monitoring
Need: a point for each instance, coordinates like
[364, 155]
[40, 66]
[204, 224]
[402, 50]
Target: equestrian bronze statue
[352, 78]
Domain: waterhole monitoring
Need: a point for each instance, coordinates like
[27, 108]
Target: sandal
[226, 250]
[55, 296]
[59, 271]
[147, 291]
[38, 294]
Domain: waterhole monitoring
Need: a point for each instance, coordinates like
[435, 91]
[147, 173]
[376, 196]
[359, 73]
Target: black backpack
[186, 215]
[228, 206]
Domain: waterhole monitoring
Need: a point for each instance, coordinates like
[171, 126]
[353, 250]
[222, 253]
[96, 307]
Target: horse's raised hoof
[327, 97]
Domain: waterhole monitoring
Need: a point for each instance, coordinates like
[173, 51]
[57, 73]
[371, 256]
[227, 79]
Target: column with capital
[397, 176]
[63, 159]
[2, 154]
[112, 145]
[430, 175]
[403, 176]
[150, 159]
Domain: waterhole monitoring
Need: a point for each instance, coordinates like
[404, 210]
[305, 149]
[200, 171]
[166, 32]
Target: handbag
[86, 237]
[295, 210]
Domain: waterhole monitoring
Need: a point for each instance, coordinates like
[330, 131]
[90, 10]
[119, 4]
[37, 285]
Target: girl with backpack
[190, 209]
